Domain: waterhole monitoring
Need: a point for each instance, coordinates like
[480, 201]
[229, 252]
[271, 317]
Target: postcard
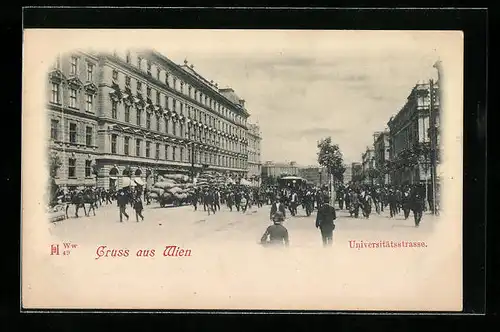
[242, 170]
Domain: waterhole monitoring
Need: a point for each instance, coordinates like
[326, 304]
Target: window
[157, 123]
[166, 103]
[157, 152]
[148, 148]
[138, 117]
[174, 129]
[72, 98]
[166, 152]
[113, 143]
[181, 130]
[158, 98]
[55, 96]
[72, 132]
[174, 105]
[89, 102]
[127, 80]
[126, 142]
[149, 68]
[167, 123]
[90, 72]
[175, 83]
[115, 75]
[148, 92]
[182, 87]
[167, 83]
[182, 108]
[88, 136]
[138, 147]
[74, 65]
[189, 91]
[148, 121]
[127, 113]
[139, 62]
[72, 168]
[54, 129]
[139, 87]
[173, 152]
[114, 109]
[181, 152]
[128, 57]
[158, 73]
[88, 168]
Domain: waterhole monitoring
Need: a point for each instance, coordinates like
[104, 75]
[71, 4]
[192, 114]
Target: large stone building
[140, 111]
[409, 127]
[254, 137]
[381, 149]
[272, 169]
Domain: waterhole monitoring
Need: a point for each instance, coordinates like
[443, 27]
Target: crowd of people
[359, 200]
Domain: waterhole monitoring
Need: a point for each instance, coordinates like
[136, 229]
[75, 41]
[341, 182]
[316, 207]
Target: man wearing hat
[277, 233]
[324, 221]
[277, 206]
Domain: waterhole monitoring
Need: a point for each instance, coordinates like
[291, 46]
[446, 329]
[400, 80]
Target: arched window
[138, 172]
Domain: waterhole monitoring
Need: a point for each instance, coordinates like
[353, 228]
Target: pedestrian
[416, 203]
[243, 203]
[277, 206]
[138, 207]
[325, 222]
[122, 201]
[276, 234]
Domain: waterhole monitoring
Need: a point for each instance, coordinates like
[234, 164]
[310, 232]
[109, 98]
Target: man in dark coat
[277, 233]
[416, 204]
[277, 206]
[122, 200]
[324, 221]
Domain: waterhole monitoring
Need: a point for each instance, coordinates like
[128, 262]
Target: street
[183, 225]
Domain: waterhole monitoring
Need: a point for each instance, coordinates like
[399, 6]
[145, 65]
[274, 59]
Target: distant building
[272, 169]
[356, 171]
[347, 174]
[314, 174]
[254, 137]
[368, 163]
[381, 148]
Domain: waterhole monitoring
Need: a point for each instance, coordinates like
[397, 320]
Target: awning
[139, 181]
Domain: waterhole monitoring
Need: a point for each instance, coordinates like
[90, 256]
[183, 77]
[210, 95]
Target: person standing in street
[122, 201]
[276, 234]
[325, 222]
[416, 203]
[277, 206]
[138, 207]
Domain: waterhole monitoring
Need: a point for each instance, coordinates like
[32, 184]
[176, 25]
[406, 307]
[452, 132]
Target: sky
[302, 86]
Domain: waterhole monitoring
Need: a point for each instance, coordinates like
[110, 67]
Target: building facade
[356, 171]
[381, 148]
[314, 174]
[272, 169]
[73, 112]
[368, 164]
[409, 127]
[347, 174]
[139, 111]
[254, 137]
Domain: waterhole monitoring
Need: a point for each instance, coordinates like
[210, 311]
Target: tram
[292, 182]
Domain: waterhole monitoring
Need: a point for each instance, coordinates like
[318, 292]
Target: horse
[90, 197]
[76, 199]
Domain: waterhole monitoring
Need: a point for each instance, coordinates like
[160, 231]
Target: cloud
[301, 97]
